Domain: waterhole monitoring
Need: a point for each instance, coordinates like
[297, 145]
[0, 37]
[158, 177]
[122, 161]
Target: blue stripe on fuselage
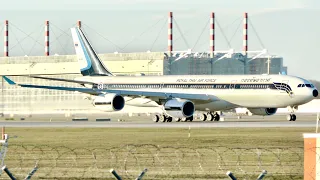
[85, 53]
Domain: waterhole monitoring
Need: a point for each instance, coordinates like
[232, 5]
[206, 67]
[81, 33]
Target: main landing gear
[292, 116]
[209, 116]
[165, 118]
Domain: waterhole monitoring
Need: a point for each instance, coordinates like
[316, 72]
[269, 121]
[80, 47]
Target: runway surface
[231, 124]
[143, 121]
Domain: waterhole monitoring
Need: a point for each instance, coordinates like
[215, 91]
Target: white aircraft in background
[180, 96]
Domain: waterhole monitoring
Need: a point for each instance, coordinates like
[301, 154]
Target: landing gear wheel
[177, 119]
[155, 118]
[209, 117]
[190, 118]
[184, 119]
[169, 119]
[216, 117]
[203, 117]
[162, 118]
[291, 117]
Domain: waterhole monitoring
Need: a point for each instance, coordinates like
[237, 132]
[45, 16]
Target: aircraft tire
[291, 117]
[155, 118]
[216, 117]
[162, 118]
[184, 119]
[203, 117]
[190, 118]
[210, 117]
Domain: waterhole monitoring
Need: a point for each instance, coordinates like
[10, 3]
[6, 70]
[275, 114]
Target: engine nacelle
[179, 108]
[109, 102]
[263, 111]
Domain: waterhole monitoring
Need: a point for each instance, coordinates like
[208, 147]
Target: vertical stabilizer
[90, 64]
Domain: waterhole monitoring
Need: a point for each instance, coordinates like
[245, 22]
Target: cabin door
[161, 85]
[233, 84]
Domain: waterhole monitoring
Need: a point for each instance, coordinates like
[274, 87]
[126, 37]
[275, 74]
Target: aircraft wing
[59, 79]
[164, 95]
[83, 90]
[201, 98]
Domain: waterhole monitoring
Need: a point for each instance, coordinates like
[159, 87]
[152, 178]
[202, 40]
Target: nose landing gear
[292, 116]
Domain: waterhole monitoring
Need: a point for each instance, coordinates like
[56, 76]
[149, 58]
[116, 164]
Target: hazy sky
[288, 28]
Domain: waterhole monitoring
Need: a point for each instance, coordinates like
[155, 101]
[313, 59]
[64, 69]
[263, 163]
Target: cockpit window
[306, 85]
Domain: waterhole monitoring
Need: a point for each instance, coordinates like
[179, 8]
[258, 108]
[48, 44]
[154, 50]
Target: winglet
[9, 80]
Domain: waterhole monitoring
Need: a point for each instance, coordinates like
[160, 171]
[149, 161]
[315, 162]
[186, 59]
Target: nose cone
[315, 93]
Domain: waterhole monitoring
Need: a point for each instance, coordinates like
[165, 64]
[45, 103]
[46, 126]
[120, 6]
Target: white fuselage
[251, 91]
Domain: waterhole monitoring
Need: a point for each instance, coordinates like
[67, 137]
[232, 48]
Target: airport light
[268, 64]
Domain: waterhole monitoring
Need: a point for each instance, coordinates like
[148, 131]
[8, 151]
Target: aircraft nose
[315, 93]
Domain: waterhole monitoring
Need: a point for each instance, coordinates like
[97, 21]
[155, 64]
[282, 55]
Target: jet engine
[263, 111]
[109, 102]
[179, 108]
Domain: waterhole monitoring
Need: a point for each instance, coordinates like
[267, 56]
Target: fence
[161, 162]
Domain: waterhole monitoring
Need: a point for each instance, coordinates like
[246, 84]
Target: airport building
[233, 64]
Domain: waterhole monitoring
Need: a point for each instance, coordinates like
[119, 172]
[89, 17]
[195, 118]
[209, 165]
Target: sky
[287, 28]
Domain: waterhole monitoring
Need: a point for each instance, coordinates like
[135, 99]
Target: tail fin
[90, 64]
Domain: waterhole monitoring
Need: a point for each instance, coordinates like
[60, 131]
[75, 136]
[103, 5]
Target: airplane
[180, 96]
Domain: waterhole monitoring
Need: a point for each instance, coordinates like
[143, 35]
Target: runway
[231, 124]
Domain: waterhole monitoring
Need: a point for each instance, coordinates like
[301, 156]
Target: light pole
[268, 64]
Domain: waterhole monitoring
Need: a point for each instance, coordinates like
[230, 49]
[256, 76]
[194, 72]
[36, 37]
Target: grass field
[69, 153]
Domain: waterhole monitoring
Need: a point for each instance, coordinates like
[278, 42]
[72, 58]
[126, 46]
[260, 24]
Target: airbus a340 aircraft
[181, 95]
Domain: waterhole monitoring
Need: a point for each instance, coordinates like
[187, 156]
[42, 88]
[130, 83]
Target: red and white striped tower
[6, 38]
[46, 38]
[245, 34]
[212, 35]
[79, 24]
[170, 34]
